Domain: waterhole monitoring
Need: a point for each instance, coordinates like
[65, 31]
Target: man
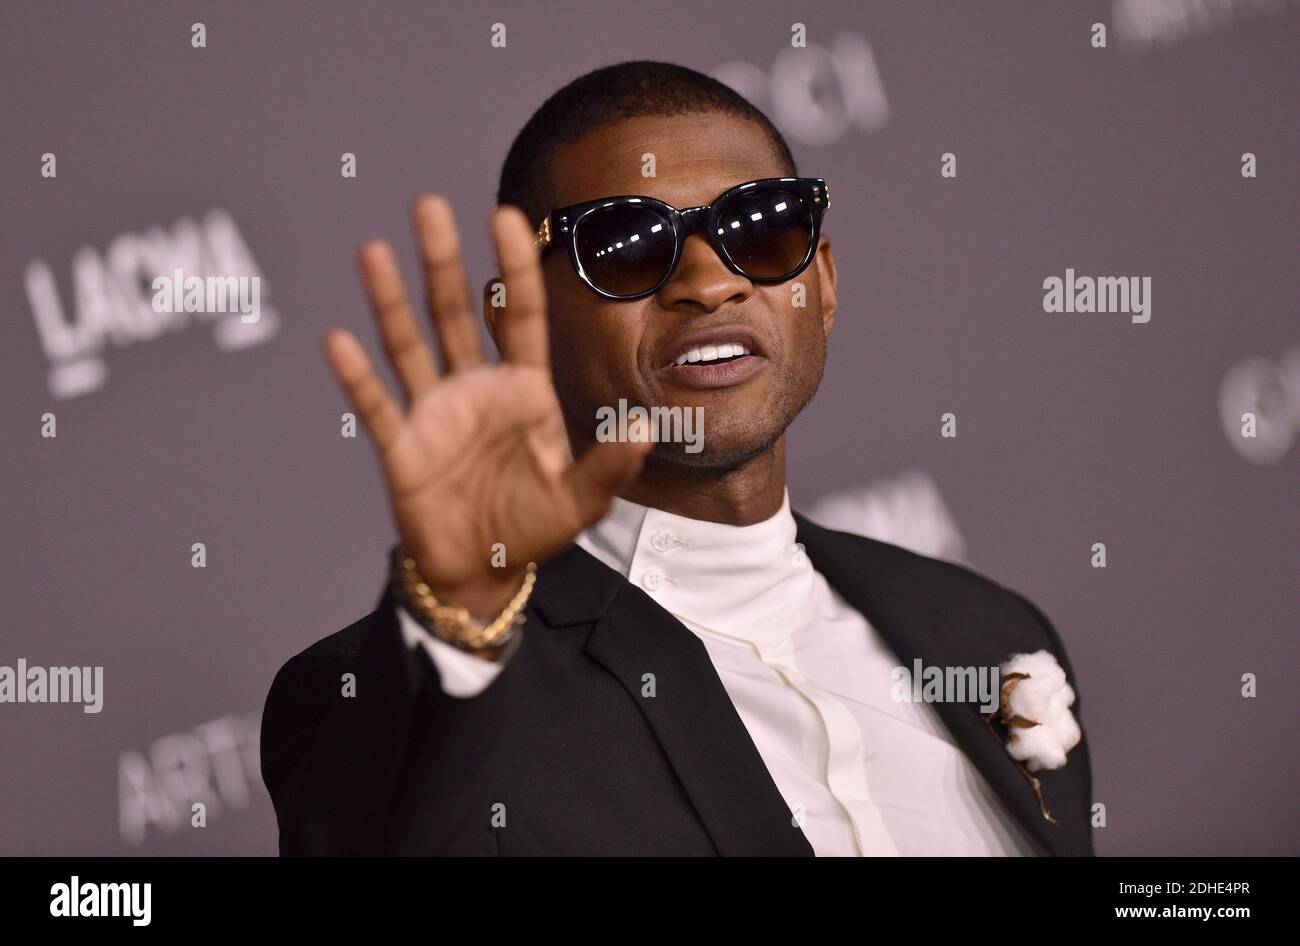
[692, 668]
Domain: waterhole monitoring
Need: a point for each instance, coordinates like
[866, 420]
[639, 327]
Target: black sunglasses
[627, 247]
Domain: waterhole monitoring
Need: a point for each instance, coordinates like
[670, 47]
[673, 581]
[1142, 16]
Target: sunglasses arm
[543, 237]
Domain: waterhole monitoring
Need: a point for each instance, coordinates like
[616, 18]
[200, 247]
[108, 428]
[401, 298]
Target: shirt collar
[749, 582]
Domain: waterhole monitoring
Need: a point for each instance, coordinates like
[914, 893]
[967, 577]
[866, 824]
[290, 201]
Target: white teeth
[712, 353]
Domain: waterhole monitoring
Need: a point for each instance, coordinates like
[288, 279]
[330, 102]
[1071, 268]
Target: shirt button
[662, 540]
[652, 579]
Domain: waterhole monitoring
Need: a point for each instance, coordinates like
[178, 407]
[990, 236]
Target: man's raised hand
[480, 455]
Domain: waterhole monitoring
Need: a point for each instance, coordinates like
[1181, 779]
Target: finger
[604, 470]
[366, 392]
[445, 285]
[522, 323]
[405, 346]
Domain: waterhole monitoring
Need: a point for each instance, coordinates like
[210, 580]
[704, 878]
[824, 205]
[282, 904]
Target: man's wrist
[480, 618]
[484, 599]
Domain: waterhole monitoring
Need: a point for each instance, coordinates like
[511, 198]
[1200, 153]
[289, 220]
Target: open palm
[479, 460]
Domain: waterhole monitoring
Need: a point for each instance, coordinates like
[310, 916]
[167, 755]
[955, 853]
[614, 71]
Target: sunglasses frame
[561, 225]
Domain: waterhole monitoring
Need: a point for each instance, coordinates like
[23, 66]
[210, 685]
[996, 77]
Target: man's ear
[829, 279]
[489, 310]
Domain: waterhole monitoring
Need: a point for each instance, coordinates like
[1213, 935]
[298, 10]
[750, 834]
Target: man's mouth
[714, 359]
[710, 354]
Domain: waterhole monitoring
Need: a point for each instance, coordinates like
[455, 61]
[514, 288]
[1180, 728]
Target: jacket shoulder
[952, 586]
[341, 644]
[978, 618]
[929, 587]
[302, 689]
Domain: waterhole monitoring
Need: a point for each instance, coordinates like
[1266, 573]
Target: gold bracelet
[454, 624]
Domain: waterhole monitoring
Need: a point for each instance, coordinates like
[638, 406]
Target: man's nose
[702, 280]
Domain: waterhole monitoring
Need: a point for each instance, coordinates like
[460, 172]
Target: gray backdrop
[1073, 428]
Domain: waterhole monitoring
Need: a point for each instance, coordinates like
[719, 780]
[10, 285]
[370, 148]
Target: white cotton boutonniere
[1034, 710]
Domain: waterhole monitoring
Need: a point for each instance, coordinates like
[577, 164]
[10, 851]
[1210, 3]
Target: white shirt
[810, 679]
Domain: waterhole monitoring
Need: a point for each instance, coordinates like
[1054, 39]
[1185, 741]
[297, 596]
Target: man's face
[604, 350]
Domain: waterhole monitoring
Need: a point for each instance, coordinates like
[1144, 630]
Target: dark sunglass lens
[767, 231]
[625, 249]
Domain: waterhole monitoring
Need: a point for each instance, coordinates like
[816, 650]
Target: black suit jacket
[563, 748]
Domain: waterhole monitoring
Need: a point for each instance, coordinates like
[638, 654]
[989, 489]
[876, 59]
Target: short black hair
[605, 97]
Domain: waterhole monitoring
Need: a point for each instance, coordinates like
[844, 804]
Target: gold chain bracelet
[454, 624]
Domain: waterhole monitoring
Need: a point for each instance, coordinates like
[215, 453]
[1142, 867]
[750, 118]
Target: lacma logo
[143, 286]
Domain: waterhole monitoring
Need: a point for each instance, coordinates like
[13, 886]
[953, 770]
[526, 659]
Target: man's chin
[714, 452]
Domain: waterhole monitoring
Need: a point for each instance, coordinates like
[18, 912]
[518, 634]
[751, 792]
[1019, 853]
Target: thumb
[604, 470]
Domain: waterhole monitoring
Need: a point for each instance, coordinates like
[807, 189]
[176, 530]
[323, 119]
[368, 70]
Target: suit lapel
[886, 595]
[691, 715]
[696, 723]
